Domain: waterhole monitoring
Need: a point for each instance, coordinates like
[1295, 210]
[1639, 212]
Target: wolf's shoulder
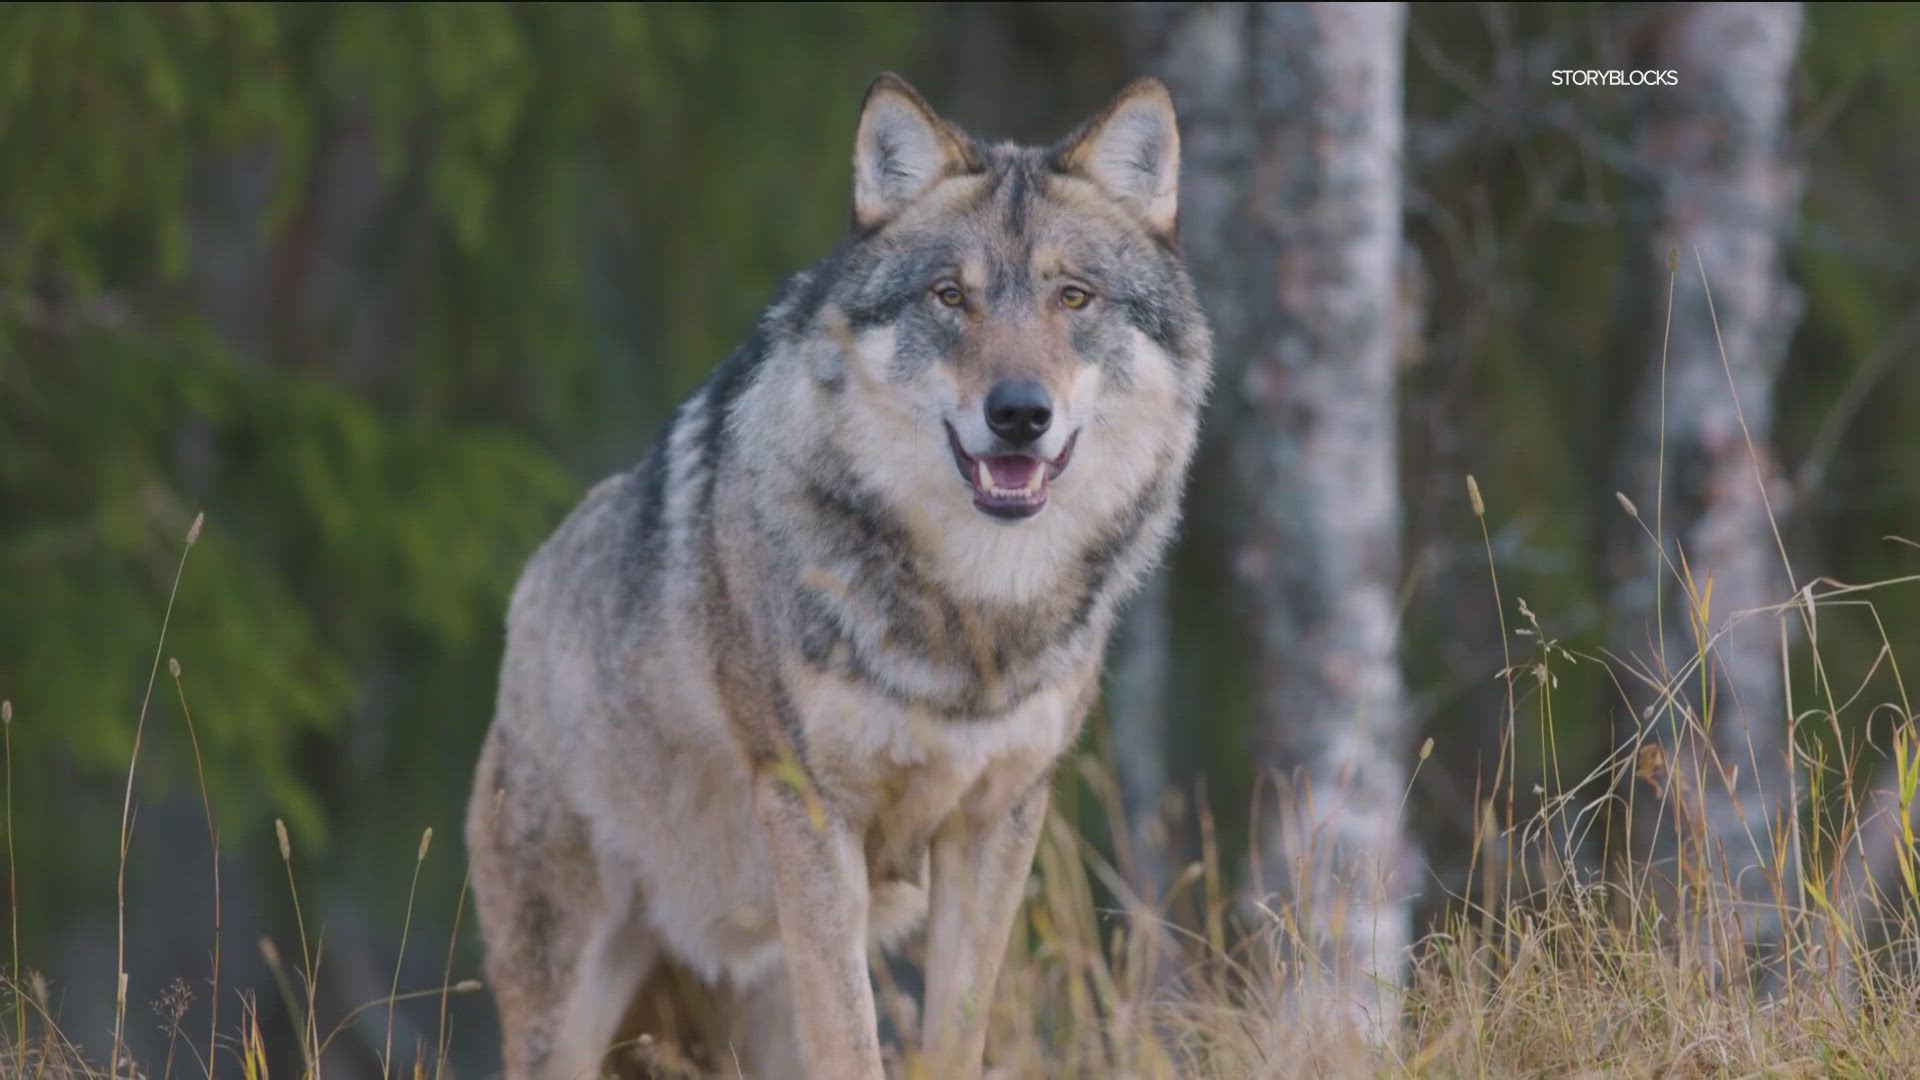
[630, 526]
[587, 540]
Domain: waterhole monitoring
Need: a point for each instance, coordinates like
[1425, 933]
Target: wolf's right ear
[901, 150]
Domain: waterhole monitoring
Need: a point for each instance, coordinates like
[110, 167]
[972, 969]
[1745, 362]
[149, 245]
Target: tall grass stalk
[126, 807]
[310, 975]
[13, 885]
[446, 976]
[213, 846]
[400, 958]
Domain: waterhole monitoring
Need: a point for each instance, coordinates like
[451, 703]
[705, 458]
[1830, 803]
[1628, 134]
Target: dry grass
[1551, 968]
[1569, 980]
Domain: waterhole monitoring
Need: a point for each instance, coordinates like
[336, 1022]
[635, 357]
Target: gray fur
[794, 584]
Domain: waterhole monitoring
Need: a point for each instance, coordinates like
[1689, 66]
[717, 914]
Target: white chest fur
[896, 776]
[898, 772]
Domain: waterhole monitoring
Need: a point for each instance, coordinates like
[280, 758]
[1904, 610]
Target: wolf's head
[1009, 336]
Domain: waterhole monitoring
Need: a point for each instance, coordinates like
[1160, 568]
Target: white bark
[1292, 220]
[1718, 189]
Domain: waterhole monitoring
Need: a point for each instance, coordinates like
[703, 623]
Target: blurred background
[381, 290]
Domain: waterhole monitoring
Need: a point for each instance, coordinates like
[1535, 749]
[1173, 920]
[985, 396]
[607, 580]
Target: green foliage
[359, 281]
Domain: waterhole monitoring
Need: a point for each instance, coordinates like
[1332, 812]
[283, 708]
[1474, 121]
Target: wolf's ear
[1132, 151]
[901, 150]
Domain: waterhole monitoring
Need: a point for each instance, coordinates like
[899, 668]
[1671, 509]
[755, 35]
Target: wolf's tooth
[986, 475]
[1039, 477]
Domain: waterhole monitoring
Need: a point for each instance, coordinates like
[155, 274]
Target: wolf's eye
[1075, 297]
[950, 294]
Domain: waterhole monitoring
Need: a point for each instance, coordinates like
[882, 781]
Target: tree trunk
[1711, 793]
[1291, 219]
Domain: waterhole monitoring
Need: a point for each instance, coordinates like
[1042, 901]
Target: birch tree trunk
[1712, 792]
[1292, 221]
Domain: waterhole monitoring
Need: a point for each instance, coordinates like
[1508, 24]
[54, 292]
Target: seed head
[193, 534]
[173, 666]
[1426, 748]
[280, 830]
[426, 839]
[1627, 504]
[1473, 496]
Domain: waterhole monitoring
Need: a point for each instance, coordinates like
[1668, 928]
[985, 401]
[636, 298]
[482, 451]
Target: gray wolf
[794, 684]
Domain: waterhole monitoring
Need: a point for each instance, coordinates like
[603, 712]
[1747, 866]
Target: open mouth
[1009, 486]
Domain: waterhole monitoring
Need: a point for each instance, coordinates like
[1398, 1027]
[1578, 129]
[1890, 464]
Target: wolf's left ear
[901, 150]
[1132, 151]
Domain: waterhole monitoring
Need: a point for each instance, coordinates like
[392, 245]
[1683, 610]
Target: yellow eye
[1075, 297]
[950, 295]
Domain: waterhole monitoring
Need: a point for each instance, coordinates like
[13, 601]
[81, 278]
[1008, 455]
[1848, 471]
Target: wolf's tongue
[1012, 471]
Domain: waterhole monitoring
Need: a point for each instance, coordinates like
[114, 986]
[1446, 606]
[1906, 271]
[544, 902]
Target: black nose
[1018, 410]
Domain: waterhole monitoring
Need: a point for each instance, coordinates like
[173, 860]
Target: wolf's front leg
[980, 864]
[820, 893]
